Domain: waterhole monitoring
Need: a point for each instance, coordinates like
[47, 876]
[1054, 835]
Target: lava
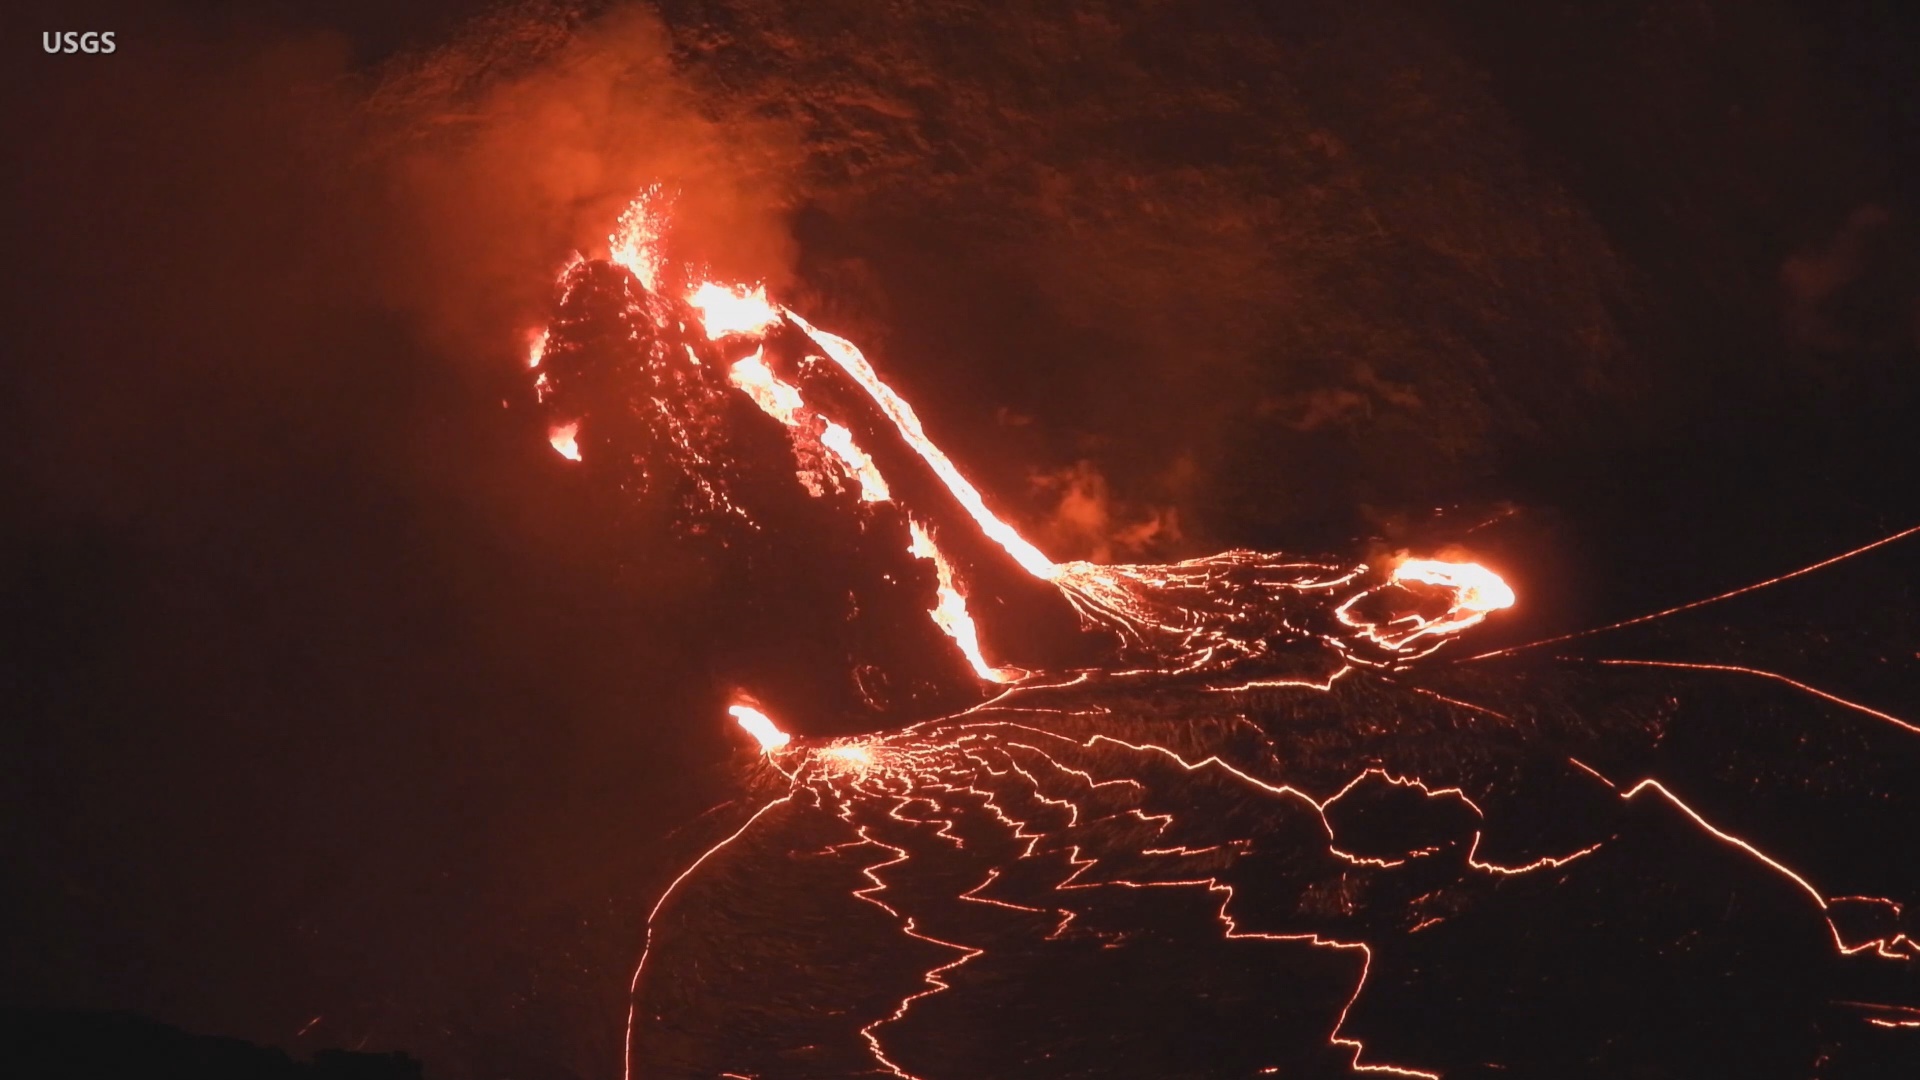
[565, 441]
[950, 613]
[756, 724]
[1014, 786]
[1477, 589]
[732, 310]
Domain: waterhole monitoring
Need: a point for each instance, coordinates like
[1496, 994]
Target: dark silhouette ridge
[51, 1044]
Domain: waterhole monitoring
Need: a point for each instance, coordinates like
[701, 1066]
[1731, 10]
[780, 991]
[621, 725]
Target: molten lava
[725, 311]
[756, 724]
[563, 438]
[1019, 800]
[1477, 590]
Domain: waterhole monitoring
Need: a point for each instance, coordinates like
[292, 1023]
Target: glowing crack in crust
[979, 780]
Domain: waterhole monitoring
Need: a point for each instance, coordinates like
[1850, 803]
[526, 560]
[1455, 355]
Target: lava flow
[1142, 772]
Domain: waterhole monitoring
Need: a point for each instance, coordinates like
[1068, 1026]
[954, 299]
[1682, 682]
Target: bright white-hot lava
[1476, 588]
[950, 612]
[564, 438]
[755, 723]
[726, 310]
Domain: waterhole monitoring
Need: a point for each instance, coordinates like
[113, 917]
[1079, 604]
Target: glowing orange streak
[871, 873]
[993, 876]
[950, 610]
[776, 398]
[1879, 945]
[1743, 590]
[646, 947]
[1544, 862]
[1463, 704]
[563, 438]
[854, 363]
[1473, 849]
[1081, 865]
[1881, 1005]
[1275, 683]
[782, 401]
[1084, 775]
[935, 984]
[1591, 771]
[944, 832]
[1320, 806]
[873, 486]
[1728, 838]
[992, 805]
[1234, 933]
[1738, 670]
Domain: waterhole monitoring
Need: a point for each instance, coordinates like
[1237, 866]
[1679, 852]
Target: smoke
[1853, 288]
[300, 613]
[241, 199]
[1088, 522]
[524, 139]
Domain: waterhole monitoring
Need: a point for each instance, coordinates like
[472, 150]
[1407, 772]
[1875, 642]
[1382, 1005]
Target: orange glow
[1736, 669]
[736, 310]
[638, 237]
[850, 753]
[755, 723]
[564, 439]
[775, 398]
[1690, 605]
[1409, 636]
[782, 401]
[854, 363]
[873, 486]
[537, 348]
[950, 613]
[1476, 588]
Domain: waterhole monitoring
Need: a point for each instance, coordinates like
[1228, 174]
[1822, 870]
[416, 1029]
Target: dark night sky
[325, 695]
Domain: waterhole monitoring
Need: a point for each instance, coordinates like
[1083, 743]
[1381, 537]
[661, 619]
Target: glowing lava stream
[1181, 615]
[951, 612]
[1136, 602]
[854, 363]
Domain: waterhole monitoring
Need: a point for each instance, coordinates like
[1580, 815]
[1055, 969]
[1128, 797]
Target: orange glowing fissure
[978, 783]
